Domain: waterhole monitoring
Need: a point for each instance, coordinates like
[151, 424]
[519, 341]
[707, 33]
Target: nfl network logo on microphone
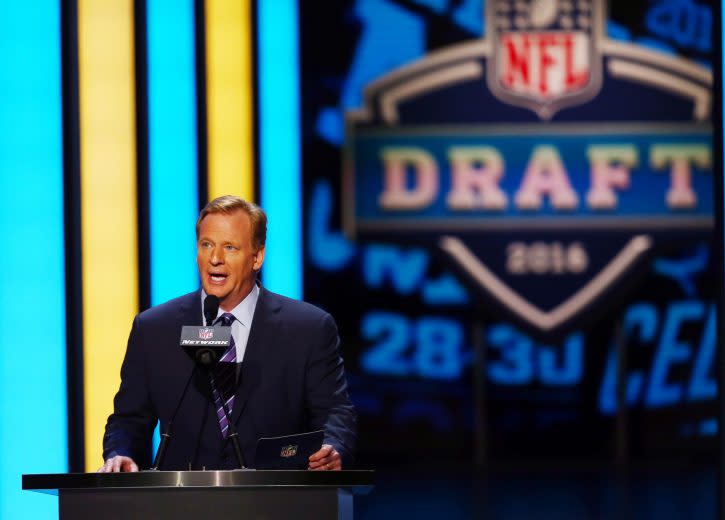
[206, 333]
[546, 160]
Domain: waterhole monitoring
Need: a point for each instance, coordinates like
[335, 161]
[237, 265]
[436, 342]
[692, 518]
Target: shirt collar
[244, 311]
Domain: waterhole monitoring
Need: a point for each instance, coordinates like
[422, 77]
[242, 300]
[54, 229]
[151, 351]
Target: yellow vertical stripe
[229, 85]
[108, 204]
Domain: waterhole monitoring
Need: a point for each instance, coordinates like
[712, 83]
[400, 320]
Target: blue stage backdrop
[543, 168]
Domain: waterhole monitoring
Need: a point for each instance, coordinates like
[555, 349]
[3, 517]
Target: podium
[180, 495]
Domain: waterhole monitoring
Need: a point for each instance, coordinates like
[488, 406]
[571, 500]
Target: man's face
[228, 263]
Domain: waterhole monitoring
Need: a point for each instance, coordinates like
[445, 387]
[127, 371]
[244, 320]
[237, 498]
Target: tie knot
[226, 319]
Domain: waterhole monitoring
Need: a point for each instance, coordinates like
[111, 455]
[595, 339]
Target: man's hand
[325, 459]
[118, 464]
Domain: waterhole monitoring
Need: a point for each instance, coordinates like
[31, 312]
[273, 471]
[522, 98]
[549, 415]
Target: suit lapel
[190, 310]
[264, 323]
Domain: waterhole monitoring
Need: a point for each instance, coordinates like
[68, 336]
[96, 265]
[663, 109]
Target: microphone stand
[166, 436]
[208, 360]
[211, 307]
[233, 435]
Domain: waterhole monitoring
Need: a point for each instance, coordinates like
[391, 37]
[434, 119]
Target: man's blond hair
[229, 204]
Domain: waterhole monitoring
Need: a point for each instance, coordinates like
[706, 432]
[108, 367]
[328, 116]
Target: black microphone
[211, 307]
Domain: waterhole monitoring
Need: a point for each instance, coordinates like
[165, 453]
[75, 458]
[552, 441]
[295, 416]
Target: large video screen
[540, 171]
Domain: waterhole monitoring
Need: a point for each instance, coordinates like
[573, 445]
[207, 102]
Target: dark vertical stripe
[255, 99]
[202, 154]
[142, 155]
[72, 217]
[719, 238]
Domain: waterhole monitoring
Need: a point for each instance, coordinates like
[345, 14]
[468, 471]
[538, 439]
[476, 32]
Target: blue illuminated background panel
[33, 426]
[173, 178]
[279, 144]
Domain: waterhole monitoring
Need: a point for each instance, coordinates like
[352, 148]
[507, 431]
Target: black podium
[205, 494]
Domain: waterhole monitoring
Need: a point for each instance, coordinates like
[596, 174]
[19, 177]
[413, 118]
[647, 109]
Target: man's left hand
[325, 459]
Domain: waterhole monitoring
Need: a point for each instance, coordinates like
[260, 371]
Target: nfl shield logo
[288, 451]
[544, 53]
[206, 333]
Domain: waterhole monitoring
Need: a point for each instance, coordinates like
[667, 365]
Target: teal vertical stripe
[33, 420]
[173, 179]
[279, 138]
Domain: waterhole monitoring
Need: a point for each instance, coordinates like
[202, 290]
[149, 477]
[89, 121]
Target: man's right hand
[118, 464]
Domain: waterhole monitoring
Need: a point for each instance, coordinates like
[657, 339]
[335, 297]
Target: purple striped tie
[225, 375]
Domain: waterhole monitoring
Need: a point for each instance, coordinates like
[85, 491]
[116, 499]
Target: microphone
[211, 307]
[206, 345]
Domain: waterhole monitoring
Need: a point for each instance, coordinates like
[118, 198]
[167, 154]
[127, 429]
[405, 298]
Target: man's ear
[258, 259]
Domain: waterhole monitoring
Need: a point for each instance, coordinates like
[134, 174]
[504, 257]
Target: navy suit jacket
[292, 380]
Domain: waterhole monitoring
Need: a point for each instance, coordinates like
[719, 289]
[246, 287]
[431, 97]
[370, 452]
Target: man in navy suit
[290, 377]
